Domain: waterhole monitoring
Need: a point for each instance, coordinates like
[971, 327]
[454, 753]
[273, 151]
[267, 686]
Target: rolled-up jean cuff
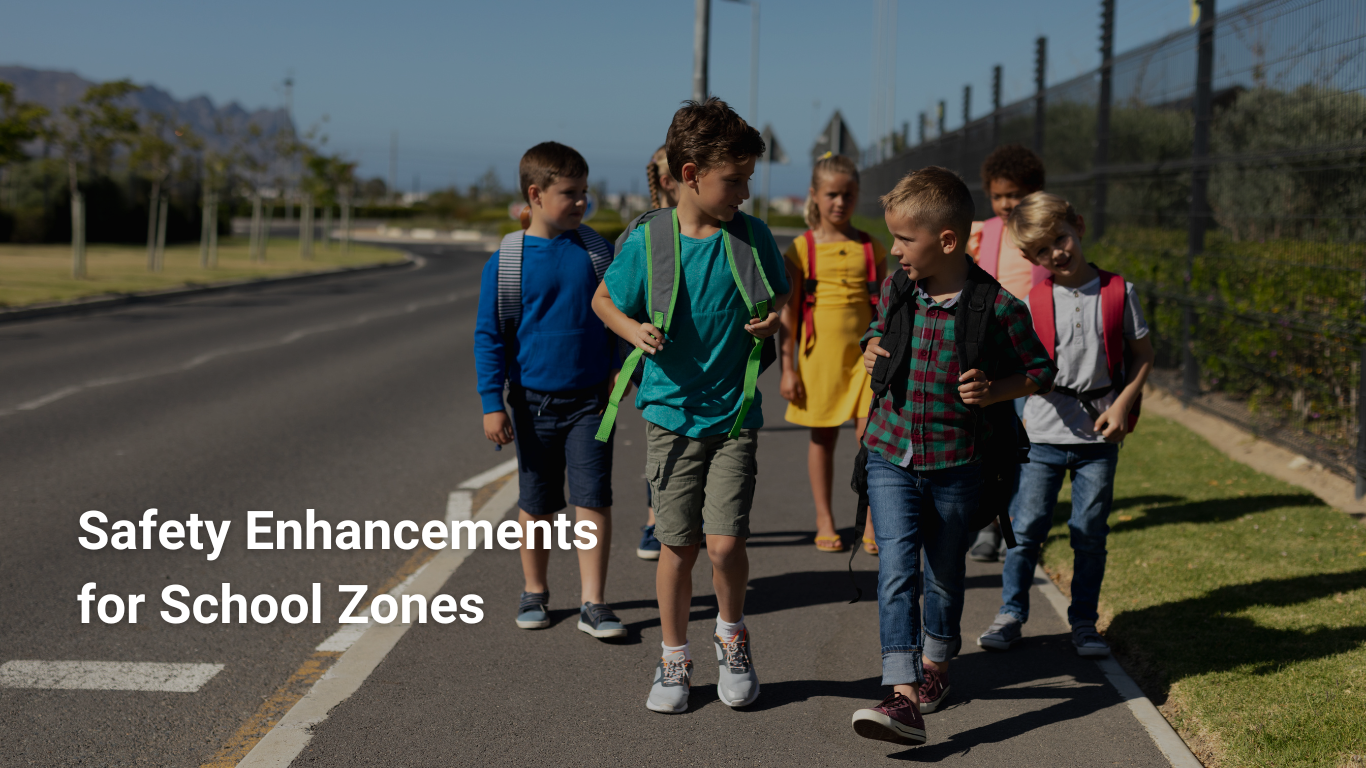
[902, 667]
[941, 650]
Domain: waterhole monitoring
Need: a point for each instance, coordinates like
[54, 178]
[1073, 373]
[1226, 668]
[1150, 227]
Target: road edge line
[1168, 741]
[288, 738]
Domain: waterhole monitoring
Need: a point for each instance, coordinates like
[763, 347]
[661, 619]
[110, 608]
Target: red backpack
[809, 286]
[1112, 298]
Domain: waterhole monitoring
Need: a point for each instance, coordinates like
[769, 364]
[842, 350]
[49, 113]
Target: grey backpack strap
[599, 250]
[661, 242]
[636, 222]
[510, 284]
[749, 274]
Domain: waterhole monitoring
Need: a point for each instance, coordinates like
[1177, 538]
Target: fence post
[1107, 52]
[1361, 426]
[923, 119]
[1199, 213]
[943, 119]
[995, 105]
[1040, 75]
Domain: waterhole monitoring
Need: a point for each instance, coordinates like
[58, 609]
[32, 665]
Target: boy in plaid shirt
[924, 444]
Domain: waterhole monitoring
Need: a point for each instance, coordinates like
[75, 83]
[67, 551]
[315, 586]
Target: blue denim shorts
[555, 436]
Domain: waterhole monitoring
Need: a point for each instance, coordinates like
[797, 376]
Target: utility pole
[701, 33]
[967, 106]
[923, 119]
[393, 166]
[943, 118]
[1107, 52]
[995, 105]
[1040, 75]
[1199, 215]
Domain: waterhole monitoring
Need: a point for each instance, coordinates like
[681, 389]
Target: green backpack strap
[758, 295]
[661, 295]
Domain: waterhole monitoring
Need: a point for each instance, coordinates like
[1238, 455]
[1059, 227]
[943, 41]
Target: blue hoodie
[562, 345]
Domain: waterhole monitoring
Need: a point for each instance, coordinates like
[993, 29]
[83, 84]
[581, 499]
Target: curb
[100, 303]
[1168, 741]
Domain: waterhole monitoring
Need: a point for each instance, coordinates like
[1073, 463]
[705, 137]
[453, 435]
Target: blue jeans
[900, 500]
[1031, 513]
[555, 434]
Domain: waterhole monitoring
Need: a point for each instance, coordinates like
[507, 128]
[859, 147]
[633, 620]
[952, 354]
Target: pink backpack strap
[989, 253]
[1041, 309]
[869, 266]
[1038, 274]
[1112, 298]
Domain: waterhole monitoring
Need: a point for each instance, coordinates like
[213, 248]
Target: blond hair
[828, 165]
[933, 197]
[1038, 221]
[652, 173]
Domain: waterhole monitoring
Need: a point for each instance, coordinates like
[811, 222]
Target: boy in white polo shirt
[1091, 323]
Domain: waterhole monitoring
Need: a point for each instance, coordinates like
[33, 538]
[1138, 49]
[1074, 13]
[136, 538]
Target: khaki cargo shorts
[701, 485]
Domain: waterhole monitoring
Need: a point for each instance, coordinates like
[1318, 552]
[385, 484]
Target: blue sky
[469, 85]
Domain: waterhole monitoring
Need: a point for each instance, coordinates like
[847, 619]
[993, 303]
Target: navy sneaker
[1088, 641]
[1004, 632]
[533, 612]
[649, 545]
[598, 620]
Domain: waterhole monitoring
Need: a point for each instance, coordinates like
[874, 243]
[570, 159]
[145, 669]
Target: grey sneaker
[532, 612]
[1088, 641]
[673, 681]
[987, 548]
[1002, 633]
[598, 620]
[738, 685]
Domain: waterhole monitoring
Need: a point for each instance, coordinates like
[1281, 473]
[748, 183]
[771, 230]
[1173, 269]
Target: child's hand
[764, 328]
[872, 352]
[1113, 423]
[649, 339]
[498, 427]
[975, 389]
[791, 387]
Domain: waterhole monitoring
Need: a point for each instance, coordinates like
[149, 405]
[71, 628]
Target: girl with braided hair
[836, 272]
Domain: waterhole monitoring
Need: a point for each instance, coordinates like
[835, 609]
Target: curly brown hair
[707, 135]
[1013, 162]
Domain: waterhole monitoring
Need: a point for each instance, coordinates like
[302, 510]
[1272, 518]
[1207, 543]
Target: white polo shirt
[1055, 418]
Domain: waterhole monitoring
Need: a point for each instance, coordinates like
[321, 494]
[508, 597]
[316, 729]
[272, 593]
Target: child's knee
[725, 551]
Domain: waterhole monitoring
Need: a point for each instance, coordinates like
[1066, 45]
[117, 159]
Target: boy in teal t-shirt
[693, 389]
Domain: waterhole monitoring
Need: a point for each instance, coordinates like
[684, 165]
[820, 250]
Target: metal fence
[1222, 169]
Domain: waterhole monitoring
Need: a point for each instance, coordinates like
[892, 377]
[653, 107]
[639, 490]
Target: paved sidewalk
[492, 694]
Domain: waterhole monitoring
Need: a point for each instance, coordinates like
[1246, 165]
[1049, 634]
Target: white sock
[675, 652]
[726, 630]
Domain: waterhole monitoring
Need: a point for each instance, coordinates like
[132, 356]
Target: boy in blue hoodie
[537, 332]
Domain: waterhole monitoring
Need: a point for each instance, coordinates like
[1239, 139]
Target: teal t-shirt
[695, 385]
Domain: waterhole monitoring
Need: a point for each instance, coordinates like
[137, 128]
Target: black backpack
[1009, 444]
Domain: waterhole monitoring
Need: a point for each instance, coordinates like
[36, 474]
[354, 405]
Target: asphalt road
[355, 397]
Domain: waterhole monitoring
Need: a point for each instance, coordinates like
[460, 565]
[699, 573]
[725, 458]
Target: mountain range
[55, 89]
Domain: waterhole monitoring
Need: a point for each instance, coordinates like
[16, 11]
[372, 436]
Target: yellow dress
[831, 366]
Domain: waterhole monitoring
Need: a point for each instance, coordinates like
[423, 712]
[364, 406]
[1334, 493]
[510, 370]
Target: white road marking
[200, 359]
[458, 505]
[107, 675]
[287, 739]
[484, 478]
[1168, 741]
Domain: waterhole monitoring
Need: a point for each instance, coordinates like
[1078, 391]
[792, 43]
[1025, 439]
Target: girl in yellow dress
[823, 380]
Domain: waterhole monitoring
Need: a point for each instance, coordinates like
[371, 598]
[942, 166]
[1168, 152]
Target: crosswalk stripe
[107, 675]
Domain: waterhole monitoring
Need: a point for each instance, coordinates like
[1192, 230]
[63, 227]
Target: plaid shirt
[927, 427]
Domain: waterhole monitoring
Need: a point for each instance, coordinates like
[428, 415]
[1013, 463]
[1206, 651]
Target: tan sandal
[870, 546]
[830, 543]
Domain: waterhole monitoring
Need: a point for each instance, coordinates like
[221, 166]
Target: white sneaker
[738, 685]
[673, 682]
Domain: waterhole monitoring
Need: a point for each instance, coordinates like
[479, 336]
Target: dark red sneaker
[934, 691]
[895, 719]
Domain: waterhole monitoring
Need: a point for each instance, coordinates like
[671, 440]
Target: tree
[89, 132]
[156, 148]
[20, 123]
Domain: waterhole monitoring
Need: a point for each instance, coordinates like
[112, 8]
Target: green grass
[32, 274]
[1236, 600]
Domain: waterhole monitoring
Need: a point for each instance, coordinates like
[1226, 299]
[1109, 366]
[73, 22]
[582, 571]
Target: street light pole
[753, 59]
